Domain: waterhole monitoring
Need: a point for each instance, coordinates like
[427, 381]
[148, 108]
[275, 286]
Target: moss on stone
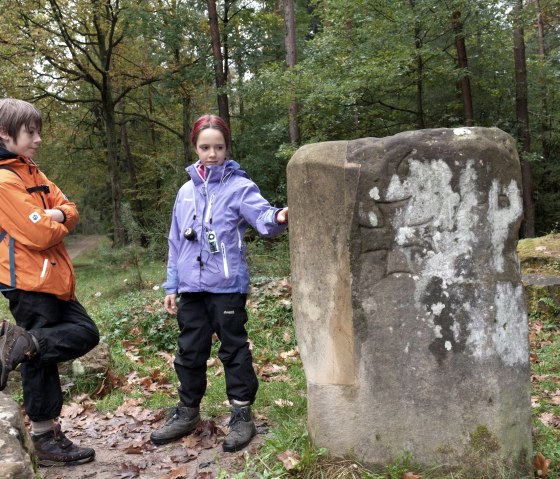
[483, 441]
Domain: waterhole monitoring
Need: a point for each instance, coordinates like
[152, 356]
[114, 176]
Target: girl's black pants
[64, 332]
[199, 315]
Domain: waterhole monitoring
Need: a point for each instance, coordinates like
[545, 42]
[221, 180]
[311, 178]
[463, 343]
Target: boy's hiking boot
[241, 428]
[16, 346]
[181, 421]
[53, 448]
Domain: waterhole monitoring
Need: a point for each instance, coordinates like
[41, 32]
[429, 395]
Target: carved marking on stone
[434, 236]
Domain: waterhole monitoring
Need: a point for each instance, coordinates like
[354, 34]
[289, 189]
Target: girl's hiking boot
[53, 448]
[182, 420]
[241, 428]
[16, 346]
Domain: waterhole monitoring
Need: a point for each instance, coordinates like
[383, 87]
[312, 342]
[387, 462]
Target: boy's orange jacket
[41, 262]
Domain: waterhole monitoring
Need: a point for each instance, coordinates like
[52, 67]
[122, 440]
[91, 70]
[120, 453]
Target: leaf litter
[121, 438]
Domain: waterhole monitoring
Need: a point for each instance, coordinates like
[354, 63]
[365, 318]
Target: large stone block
[15, 443]
[408, 301]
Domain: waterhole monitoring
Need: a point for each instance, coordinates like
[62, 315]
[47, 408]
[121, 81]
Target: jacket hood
[216, 173]
[6, 154]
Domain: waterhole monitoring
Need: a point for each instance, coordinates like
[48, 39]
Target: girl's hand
[170, 303]
[282, 216]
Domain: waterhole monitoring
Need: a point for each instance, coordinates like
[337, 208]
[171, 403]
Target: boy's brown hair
[14, 113]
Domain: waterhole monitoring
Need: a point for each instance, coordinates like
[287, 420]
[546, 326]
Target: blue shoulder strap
[10, 246]
[12, 261]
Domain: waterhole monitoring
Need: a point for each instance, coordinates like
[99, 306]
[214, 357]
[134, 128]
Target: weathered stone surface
[95, 362]
[15, 442]
[408, 300]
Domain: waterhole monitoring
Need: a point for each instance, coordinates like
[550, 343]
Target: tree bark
[462, 64]
[545, 115]
[522, 114]
[420, 122]
[119, 235]
[291, 59]
[223, 103]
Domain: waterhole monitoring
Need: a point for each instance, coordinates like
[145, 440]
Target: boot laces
[238, 415]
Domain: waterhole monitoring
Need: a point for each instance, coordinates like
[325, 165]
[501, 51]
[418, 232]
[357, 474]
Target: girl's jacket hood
[218, 208]
[29, 237]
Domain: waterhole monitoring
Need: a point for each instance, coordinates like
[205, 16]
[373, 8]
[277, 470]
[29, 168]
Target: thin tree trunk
[119, 235]
[223, 104]
[291, 59]
[522, 114]
[186, 111]
[462, 63]
[420, 123]
[137, 208]
[545, 116]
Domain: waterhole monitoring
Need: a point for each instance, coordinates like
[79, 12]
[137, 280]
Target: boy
[37, 277]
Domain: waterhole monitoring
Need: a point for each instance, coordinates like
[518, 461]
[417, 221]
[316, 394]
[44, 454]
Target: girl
[208, 272]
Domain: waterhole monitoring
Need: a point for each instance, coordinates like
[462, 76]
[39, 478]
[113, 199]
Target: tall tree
[462, 64]
[220, 77]
[291, 58]
[522, 114]
[89, 56]
[544, 115]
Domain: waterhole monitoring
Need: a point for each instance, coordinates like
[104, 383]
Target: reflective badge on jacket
[34, 217]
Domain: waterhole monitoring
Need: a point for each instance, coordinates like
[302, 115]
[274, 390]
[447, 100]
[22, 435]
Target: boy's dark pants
[64, 332]
[199, 315]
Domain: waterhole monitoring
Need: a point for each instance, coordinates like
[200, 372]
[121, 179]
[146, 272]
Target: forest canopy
[120, 82]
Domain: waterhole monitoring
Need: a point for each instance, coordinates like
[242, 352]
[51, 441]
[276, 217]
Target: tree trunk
[119, 235]
[420, 123]
[137, 208]
[545, 116]
[186, 111]
[462, 63]
[522, 114]
[291, 58]
[223, 104]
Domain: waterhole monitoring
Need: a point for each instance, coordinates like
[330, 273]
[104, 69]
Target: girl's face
[25, 144]
[211, 147]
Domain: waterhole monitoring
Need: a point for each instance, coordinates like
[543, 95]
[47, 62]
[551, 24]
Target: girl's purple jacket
[218, 209]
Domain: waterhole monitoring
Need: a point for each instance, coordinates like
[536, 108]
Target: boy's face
[26, 143]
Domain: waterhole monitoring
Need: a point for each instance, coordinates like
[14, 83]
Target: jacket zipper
[224, 257]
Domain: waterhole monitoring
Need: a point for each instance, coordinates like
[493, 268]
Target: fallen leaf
[411, 475]
[289, 459]
[128, 471]
[540, 465]
[185, 455]
[283, 403]
[178, 473]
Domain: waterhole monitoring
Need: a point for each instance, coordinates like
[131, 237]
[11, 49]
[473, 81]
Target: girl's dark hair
[210, 121]
[15, 113]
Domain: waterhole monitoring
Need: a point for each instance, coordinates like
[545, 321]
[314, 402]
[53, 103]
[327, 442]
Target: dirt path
[81, 244]
[123, 449]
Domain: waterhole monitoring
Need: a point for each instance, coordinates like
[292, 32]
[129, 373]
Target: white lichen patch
[437, 308]
[462, 131]
[436, 215]
[500, 219]
[510, 334]
[374, 193]
[373, 221]
[448, 345]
